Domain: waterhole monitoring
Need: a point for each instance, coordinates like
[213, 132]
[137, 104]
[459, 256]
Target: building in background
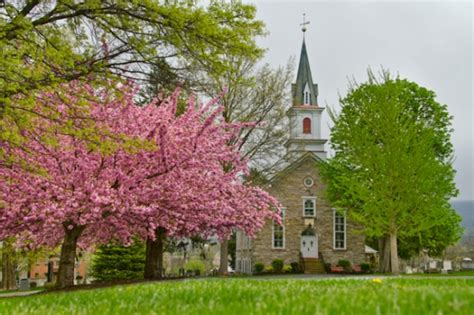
[312, 233]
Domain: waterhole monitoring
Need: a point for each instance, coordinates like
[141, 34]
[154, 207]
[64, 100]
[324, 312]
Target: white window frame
[335, 212]
[283, 217]
[313, 198]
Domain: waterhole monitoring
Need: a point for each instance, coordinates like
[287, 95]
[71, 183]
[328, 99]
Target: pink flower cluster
[186, 179]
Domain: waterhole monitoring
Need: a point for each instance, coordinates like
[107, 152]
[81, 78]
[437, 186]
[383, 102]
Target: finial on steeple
[304, 23]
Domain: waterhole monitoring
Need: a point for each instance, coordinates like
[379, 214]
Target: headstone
[447, 264]
[24, 284]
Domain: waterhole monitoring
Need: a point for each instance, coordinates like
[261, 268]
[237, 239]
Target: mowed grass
[252, 296]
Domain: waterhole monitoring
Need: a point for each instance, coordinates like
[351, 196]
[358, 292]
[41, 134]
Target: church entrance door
[309, 246]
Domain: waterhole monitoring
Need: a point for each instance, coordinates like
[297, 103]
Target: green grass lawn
[251, 296]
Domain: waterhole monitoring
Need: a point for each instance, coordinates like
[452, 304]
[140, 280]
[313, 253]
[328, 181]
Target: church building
[312, 233]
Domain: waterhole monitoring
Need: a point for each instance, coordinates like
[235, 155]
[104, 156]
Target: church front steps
[313, 266]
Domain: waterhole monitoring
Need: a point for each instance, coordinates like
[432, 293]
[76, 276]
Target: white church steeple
[305, 114]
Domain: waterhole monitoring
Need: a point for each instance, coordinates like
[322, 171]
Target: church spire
[304, 91]
[305, 114]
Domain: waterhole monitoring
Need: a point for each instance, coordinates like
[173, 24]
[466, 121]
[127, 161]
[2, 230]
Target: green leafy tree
[43, 43]
[433, 241]
[392, 168]
[118, 262]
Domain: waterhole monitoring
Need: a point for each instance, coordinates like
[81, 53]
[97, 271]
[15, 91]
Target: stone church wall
[289, 189]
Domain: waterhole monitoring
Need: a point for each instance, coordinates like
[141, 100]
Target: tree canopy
[175, 184]
[392, 167]
[44, 43]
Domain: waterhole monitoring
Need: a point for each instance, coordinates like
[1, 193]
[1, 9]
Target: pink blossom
[186, 180]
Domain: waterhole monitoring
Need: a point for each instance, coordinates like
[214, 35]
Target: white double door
[309, 246]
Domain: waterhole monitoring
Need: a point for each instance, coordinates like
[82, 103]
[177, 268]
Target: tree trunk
[154, 255]
[8, 267]
[381, 251]
[224, 263]
[394, 254]
[384, 263]
[67, 259]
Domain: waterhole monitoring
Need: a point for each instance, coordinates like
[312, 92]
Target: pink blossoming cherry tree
[180, 179]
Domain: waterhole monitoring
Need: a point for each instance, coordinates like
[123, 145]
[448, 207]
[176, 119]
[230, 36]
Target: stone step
[313, 266]
[313, 262]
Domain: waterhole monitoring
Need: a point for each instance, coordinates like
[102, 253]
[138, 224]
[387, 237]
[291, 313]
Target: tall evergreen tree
[119, 262]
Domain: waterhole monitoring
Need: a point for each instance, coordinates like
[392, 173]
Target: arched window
[306, 125]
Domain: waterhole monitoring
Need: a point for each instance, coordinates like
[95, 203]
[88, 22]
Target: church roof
[288, 163]
[304, 79]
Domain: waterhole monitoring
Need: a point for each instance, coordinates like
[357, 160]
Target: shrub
[277, 265]
[287, 269]
[269, 269]
[49, 285]
[295, 267]
[197, 266]
[346, 264]
[327, 267]
[258, 267]
[33, 285]
[365, 267]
